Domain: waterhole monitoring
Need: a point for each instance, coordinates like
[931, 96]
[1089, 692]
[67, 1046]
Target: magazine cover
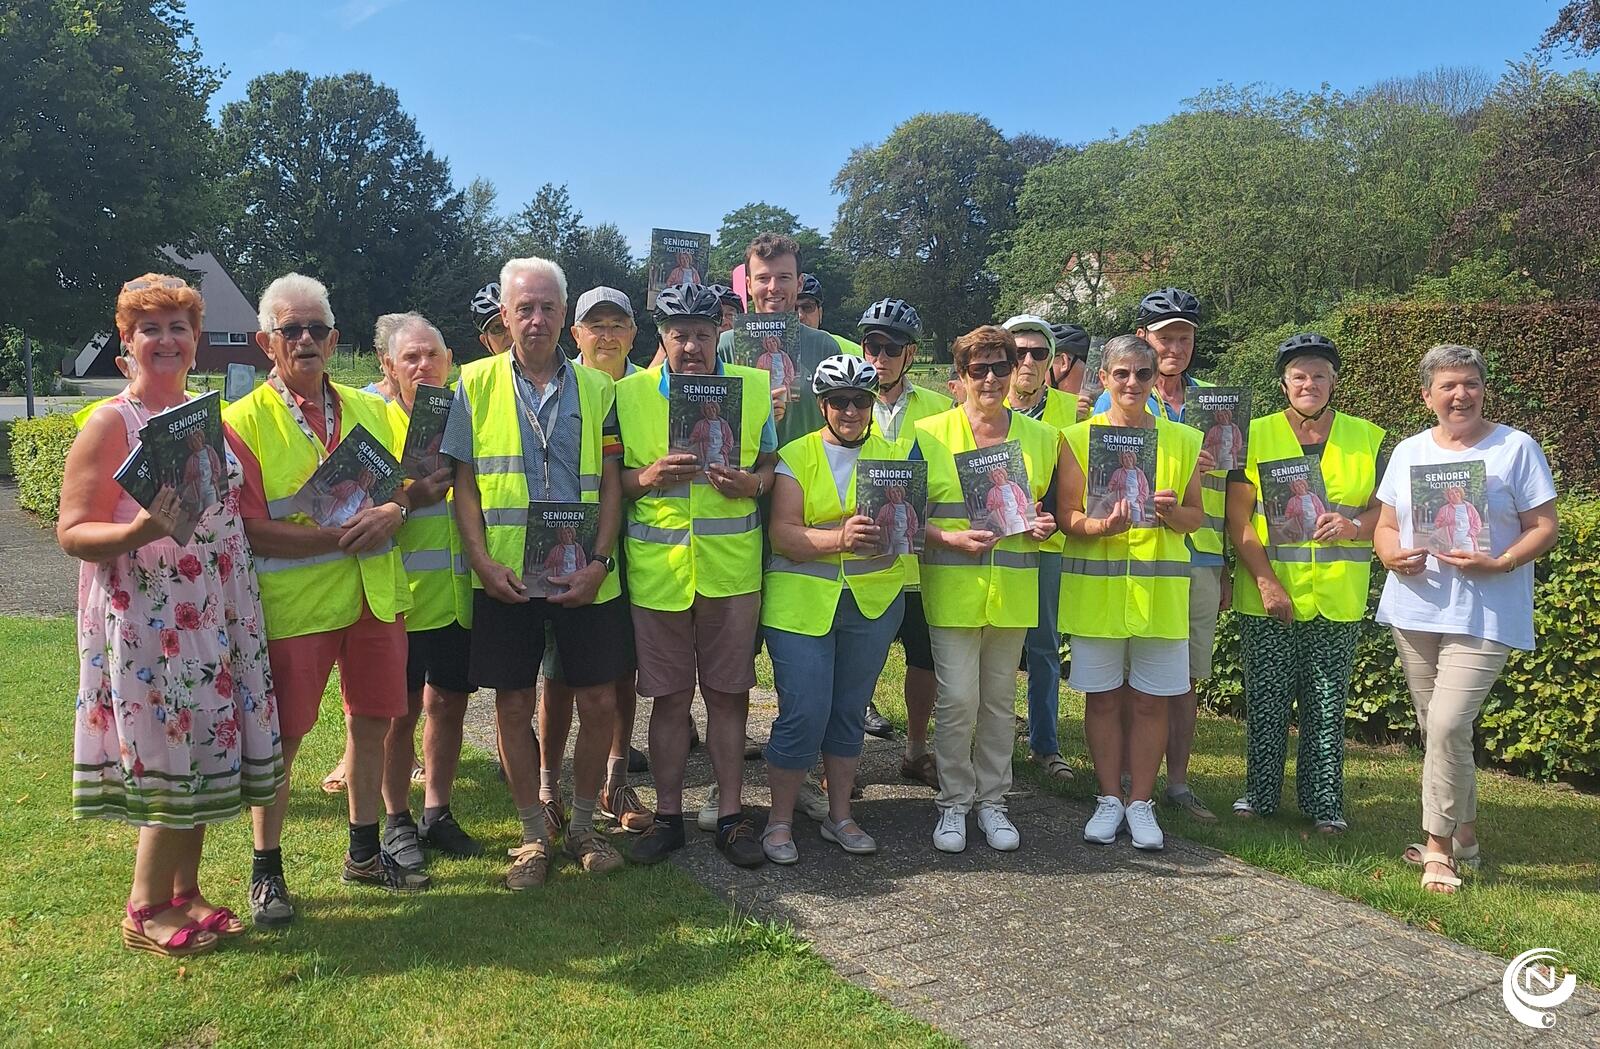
[425, 433]
[703, 413]
[1222, 415]
[1091, 387]
[894, 493]
[677, 257]
[1293, 496]
[1122, 465]
[994, 485]
[240, 381]
[767, 341]
[359, 472]
[139, 480]
[1450, 507]
[560, 542]
[183, 446]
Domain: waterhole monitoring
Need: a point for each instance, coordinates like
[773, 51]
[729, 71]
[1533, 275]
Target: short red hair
[156, 291]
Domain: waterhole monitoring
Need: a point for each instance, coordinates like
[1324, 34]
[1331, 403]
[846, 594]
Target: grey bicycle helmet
[895, 316]
[1168, 304]
[688, 300]
[810, 288]
[1307, 344]
[728, 296]
[1071, 339]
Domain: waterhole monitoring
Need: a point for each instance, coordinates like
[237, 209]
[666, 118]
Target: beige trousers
[975, 674]
[1450, 676]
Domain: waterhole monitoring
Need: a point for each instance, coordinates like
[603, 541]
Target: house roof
[226, 307]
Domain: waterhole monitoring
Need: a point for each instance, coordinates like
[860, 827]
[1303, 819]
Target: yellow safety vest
[1000, 588]
[502, 479]
[802, 596]
[430, 549]
[1322, 579]
[1136, 583]
[310, 595]
[81, 416]
[690, 539]
[1060, 411]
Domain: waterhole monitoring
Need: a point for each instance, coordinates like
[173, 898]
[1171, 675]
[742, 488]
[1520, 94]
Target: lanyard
[532, 412]
[299, 417]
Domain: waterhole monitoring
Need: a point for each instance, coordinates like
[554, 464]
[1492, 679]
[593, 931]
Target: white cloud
[352, 13]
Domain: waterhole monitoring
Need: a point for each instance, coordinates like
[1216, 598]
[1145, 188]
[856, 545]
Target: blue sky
[670, 115]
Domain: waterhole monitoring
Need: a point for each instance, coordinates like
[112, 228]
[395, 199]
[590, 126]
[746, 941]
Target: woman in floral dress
[177, 726]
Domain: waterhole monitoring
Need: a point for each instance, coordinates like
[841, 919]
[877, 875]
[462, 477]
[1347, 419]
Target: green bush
[46, 365]
[38, 457]
[1543, 717]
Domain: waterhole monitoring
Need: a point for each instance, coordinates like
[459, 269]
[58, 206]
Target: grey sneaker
[812, 801]
[706, 819]
[1185, 799]
[270, 906]
[402, 844]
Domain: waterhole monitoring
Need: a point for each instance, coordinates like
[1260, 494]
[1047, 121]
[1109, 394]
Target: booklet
[703, 416]
[994, 485]
[1222, 415]
[1450, 507]
[1091, 387]
[894, 493]
[358, 473]
[138, 479]
[677, 257]
[185, 450]
[768, 341]
[1122, 466]
[240, 381]
[1293, 496]
[560, 542]
[425, 432]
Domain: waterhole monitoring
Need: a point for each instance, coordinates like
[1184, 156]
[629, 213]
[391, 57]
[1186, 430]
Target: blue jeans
[1042, 651]
[824, 683]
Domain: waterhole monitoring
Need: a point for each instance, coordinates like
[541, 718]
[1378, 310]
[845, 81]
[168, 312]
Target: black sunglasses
[292, 332]
[982, 370]
[839, 401]
[884, 348]
[1038, 353]
[1143, 375]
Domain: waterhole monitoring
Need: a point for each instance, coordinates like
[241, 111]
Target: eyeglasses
[163, 282]
[883, 348]
[840, 401]
[496, 326]
[292, 332]
[807, 306]
[1143, 375]
[1037, 353]
[980, 371]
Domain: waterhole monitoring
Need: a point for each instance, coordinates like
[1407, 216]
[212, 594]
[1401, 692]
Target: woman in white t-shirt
[1457, 615]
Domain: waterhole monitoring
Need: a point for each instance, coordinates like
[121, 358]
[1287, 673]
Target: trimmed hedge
[1543, 716]
[38, 457]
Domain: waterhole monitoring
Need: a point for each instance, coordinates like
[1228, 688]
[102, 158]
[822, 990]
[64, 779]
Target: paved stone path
[36, 578]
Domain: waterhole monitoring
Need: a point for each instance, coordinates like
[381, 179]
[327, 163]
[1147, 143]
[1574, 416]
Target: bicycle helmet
[844, 371]
[486, 304]
[1307, 344]
[728, 296]
[1071, 339]
[1028, 322]
[688, 300]
[810, 288]
[897, 317]
[1165, 305]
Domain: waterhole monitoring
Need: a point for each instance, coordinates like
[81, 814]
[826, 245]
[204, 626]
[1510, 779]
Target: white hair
[532, 266]
[295, 286]
[383, 330]
[405, 324]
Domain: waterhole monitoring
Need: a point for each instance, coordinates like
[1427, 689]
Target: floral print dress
[177, 724]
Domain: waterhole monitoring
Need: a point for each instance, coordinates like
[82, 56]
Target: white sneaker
[1143, 827]
[998, 829]
[950, 833]
[1107, 820]
[811, 800]
[707, 819]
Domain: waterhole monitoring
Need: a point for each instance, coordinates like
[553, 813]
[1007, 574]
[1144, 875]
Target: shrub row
[38, 458]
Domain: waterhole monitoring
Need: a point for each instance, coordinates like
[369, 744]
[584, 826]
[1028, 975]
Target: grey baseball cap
[602, 296]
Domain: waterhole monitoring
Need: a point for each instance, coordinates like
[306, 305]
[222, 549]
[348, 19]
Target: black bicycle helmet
[1166, 304]
[1071, 339]
[810, 288]
[688, 300]
[1307, 344]
[895, 316]
[486, 304]
[728, 296]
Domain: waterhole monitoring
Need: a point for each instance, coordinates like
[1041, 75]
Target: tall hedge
[38, 457]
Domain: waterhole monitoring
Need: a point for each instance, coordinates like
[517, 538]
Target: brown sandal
[191, 939]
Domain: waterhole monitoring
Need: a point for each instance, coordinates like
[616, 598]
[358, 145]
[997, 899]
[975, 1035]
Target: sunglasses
[884, 348]
[981, 371]
[164, 282]
[292, 332]
[859, 401]
[495, 326]
[1037, 353]
[1143, 375]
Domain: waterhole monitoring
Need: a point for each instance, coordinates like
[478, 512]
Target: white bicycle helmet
[844, 371]
[486, 304]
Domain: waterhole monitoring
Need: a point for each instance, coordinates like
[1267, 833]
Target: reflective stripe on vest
[1001, 588]
[429, 545]
[1322, 579]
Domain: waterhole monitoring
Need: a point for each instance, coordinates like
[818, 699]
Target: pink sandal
[221, 920]
[191, 939]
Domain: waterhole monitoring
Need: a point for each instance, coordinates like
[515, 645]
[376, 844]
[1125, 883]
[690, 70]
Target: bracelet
[1510, 563]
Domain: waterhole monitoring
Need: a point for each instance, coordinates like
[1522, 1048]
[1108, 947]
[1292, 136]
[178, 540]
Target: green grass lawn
[644, 957]
[1538, 886]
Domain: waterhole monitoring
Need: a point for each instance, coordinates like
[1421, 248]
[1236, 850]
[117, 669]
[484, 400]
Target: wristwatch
[607, 560]
[405, 512]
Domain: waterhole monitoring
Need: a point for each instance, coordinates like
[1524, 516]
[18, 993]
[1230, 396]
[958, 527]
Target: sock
[432, 814]
[532, 819]
[670, 820]
[726, 823]
[582, 813]
[616, 771]
[915, 748]
[264, 863]
[363, 842]
[549, 784]
[398, 819]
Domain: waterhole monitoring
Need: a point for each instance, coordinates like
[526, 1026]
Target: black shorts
[439, 658]
[913, 633]
[595, 642]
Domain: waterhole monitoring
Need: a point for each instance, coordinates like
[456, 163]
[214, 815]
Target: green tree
[923, 212]
[548, 226]
[447, 281]
[1576, 28]
[329, 176]
[107, 154]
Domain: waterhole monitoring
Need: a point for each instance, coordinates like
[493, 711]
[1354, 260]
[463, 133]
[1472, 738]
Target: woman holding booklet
[1301, 516]
[831, 602]
[1457, 614]
[1125, 583]
[177, 723]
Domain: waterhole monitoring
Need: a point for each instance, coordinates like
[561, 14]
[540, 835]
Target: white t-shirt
[1442, 599]
[841, 463]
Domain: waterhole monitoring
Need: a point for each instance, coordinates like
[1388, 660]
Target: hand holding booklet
[180, 448]
[994, 486]
[560, 543]
[358, 474]
[425, 432]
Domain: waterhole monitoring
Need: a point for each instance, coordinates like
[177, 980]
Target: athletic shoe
[270, 906]
[998, 830]
[382, 871]
[1244, 809]
[706, 819]
[1185, 799]
[656, 842]
[621, 803]
[811, 800]
[530, 865]
[1142, 826]
[740, 844]
[445, 835]
[401, 844]
[589, 848]
[876, 724]
[950, 832]
[1103, 826]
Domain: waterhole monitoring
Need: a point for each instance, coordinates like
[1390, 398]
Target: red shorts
[371, 655]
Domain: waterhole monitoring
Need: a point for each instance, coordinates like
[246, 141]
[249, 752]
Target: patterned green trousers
[1305, 664]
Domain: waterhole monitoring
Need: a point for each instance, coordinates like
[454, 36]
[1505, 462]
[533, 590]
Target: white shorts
[1156, 666]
